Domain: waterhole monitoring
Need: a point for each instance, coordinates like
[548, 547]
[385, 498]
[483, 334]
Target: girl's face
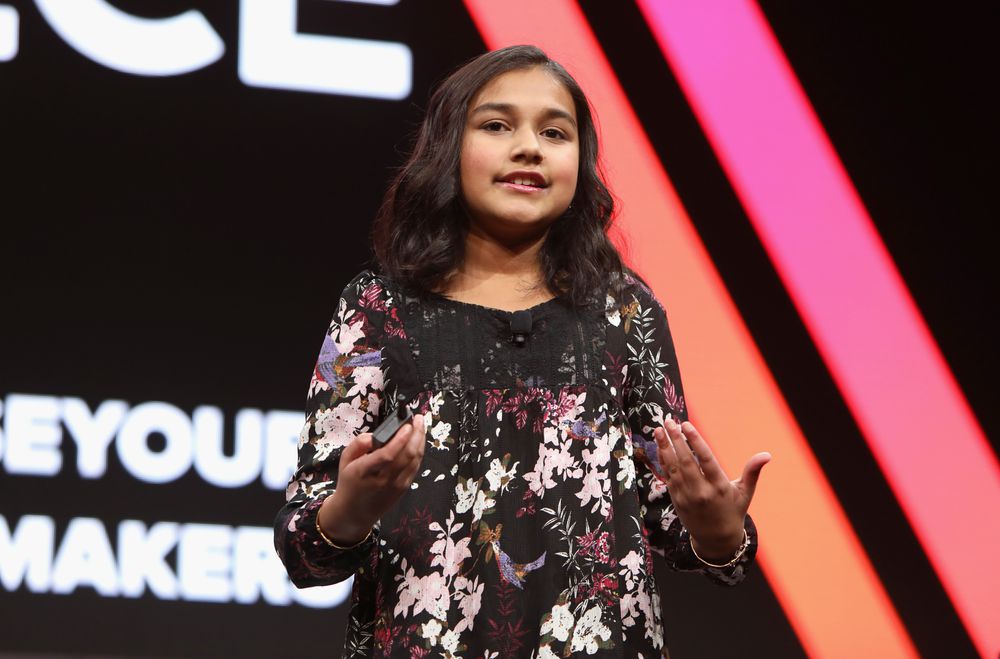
[520, 153]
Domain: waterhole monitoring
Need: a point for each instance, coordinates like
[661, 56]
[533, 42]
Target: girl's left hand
[711, 507]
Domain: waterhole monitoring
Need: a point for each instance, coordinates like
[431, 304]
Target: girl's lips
[521, 188]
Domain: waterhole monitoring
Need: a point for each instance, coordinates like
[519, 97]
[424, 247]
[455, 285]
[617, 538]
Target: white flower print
[431, 629]
[336, 427]
[601, 453]
[498, 477]
[469, 594]
[317, 385]
[365, 378]
[545, 652]
[562, 463]
[441, 430]
[667, 517]
[632, 566]
[349, 335]
[450, 640]
[657, 488]
[408, 591]
[433, 596]
[465, 493]
[552, 461]
[596, 486]
[629, 609]
[540, 478]
[448, 553]
[558, 623]
[588, 630]
[435, 402]
[613, 312]
[483, 503]
[626, 472]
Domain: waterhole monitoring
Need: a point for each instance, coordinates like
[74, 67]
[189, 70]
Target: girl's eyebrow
[507, 108]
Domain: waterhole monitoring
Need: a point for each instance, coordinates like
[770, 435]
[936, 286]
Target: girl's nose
[526, 147]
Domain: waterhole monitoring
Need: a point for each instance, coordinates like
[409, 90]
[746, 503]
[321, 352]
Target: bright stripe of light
[843, 282]
[8, 33]
[809, 551]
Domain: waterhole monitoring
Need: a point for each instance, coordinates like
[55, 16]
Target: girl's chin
[517, 230]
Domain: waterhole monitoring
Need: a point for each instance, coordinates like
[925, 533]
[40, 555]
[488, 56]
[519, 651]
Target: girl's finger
[411, 450]
[706, 459]
[388, 454]
[411, 459]
[685, 458]
[419, 437]
[408, 474]
[358, 448]
[668, 457]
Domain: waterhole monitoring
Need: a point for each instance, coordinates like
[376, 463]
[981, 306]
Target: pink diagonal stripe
[734, 399]
[843, 282]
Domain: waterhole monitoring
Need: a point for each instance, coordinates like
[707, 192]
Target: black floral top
[530, 527]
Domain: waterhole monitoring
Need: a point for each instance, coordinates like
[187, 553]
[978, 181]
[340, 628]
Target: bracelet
[333, 544]
[739, 552]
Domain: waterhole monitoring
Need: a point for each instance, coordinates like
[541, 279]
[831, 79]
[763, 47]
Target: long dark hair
[419, 232]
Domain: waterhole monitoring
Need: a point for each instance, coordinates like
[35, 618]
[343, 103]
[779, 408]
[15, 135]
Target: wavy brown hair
[419, 232]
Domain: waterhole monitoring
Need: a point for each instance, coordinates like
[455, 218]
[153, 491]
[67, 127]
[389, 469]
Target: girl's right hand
[369, 483]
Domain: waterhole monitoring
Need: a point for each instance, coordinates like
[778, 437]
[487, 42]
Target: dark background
[185, 239]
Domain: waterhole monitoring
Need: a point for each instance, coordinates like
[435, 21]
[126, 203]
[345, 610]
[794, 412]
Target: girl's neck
[500, 275]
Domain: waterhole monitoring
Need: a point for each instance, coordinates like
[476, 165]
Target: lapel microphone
[520, 327]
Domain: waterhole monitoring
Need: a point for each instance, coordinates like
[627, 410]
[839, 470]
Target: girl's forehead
[525, 87]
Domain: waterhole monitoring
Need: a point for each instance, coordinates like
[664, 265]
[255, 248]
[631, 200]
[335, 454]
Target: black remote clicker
[392, 423]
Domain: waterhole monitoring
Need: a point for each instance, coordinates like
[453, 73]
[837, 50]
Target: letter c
[141, 46]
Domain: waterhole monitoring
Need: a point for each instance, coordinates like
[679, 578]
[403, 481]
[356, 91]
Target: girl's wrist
[720, 549]
[338, 527]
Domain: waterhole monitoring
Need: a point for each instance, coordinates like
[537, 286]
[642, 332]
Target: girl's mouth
[524, 181]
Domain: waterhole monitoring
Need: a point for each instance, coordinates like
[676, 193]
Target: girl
[548, 455]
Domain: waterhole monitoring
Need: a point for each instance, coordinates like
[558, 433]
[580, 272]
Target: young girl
[548, 455]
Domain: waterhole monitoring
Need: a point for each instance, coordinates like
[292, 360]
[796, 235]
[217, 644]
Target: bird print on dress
[646, 451]
[511, 572]
[333, 367]
[583, 430]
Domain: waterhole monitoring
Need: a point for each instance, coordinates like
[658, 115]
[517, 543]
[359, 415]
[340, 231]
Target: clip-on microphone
[520, 327]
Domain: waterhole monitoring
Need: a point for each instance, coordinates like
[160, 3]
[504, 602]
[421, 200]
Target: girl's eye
[493, 126]
[554, 133]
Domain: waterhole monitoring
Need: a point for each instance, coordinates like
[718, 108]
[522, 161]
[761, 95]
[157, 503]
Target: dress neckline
[480, 307]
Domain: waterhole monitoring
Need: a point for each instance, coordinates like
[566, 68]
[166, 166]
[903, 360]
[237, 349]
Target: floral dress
[530, 526]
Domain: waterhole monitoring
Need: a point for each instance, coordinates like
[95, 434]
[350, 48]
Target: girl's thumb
[751, 472]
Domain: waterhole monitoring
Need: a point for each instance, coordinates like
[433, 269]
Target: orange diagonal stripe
[809, 551]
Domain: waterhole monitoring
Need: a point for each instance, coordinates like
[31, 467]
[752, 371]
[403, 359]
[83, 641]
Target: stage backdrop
[187, 186]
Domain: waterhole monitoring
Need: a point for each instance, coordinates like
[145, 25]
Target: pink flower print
[370, 297]
[493, 400]
[673, 400]
[595, 544]
[393, 325]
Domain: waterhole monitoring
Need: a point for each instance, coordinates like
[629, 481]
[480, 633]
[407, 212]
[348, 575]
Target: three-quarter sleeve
[653, 393]
[345, 398]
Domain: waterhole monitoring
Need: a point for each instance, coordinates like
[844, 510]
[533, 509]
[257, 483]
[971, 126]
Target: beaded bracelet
[739, 552]
[333, 544]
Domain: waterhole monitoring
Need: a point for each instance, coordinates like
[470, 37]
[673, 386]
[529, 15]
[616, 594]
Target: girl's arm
[653, 396]
[345, 399]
